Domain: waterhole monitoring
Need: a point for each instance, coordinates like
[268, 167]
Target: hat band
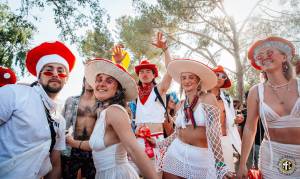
[50, 59]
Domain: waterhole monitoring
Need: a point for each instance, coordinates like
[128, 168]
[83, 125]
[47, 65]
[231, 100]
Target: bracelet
[80, 145]
[220, 164]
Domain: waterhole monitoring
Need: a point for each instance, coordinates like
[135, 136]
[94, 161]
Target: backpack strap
[52, 131]
[161, 102]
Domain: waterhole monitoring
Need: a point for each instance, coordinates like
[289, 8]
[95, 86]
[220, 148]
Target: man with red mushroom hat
[31, 131]
[231, 140]
[7, 76]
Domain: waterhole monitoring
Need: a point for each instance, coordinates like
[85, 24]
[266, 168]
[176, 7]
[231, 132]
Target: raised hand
[117, 53]
[160, 41]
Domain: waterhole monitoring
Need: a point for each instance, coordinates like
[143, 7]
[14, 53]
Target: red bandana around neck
[189, 110]
[144, 91]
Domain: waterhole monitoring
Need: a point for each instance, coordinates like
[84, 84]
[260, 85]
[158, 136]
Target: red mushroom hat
[49, 52]
[7, 76]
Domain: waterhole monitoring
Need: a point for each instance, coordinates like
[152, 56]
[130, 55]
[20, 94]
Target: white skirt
[285, 162]
[121, 171]
[188, 161]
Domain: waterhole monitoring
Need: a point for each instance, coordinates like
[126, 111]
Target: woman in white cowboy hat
[276, 101]
[112, 137]
[195, 151]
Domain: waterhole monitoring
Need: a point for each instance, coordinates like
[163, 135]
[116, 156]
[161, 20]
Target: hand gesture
[242, 172]
[238, 119]
[229, 175]
[160, 41]
[117, 53]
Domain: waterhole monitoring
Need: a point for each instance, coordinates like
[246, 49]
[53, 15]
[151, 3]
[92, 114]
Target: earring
[285, 67]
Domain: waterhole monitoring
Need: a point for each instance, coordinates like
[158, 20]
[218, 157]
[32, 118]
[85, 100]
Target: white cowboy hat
[207, 76]
[99, 65]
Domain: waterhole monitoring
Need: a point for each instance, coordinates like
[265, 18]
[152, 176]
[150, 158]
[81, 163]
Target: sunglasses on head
[221, 76]
[59, 74]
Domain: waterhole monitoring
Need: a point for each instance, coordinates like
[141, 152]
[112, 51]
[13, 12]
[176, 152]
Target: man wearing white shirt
[31, 130]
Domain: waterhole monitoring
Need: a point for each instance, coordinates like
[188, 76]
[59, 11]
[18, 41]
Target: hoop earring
[285, 67]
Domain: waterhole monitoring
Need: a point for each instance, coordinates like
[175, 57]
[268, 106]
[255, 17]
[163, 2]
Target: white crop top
[199, 115]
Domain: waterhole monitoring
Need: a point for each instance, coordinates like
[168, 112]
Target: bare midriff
[193, 136]
[289, 135]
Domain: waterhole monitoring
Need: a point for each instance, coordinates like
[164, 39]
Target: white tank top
[150, 112]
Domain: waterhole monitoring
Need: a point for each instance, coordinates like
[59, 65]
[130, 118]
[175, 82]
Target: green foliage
[15, 34]
[205, 29]
[136, 35]
[71, 16]
[97, 43]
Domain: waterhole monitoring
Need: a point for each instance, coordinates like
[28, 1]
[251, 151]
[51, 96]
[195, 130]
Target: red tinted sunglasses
[49, 73]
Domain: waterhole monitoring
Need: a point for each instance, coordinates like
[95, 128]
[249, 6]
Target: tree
[15, 34]
[97, 44]
[72, 17]
[205, 29]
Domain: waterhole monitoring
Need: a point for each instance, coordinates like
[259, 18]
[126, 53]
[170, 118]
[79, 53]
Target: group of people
[120, 128]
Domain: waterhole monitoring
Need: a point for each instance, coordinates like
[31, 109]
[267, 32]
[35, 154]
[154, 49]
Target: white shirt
[24, 127]
[231, 127]
[150, 112]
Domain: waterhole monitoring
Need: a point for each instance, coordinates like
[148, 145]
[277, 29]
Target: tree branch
[208, 37]
[249, 16]
[193, 49]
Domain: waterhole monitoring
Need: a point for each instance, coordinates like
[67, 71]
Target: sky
[47, 31]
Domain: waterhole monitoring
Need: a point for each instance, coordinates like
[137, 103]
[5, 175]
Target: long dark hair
[118, 98]
[172, 111]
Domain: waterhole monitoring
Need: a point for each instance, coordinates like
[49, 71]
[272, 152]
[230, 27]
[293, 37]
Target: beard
[49, 89]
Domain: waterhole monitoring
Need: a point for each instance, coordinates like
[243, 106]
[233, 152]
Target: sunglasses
[262, 56]
[221, 76]
[59, 74]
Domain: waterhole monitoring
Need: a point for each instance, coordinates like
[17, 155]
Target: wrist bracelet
[80, 145]
[220, 164]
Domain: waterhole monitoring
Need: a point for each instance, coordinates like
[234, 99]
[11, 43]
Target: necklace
[276, 87]
[274, 90]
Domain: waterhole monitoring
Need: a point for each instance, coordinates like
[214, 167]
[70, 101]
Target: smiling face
[53, 77]
[189, 81]
[270, 58]
[105, 87]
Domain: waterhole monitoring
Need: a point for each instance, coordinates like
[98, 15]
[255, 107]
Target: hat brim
[93, 68]
[178, 66]
[146, 66]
